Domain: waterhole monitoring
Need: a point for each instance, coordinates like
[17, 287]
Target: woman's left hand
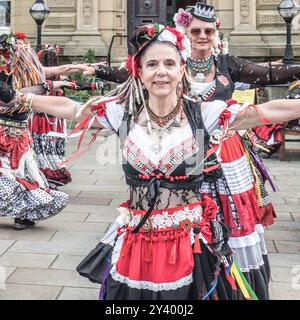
[64, 84]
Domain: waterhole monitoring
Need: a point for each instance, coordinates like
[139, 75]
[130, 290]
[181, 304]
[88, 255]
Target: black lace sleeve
[6, 92]
[245, 71]
[111, 74]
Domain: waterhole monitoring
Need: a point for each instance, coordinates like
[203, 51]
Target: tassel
[149, 252]
[173, 255]
[197, 245]
[230, 279]
[128, 246]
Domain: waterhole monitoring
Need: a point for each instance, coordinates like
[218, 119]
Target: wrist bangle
[47, 85]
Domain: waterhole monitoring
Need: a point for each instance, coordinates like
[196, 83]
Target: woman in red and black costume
[240, 194]
[49, 147]
[24, 192]
[170, 241]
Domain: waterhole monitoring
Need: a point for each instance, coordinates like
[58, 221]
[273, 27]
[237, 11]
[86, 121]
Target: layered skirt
[50, 150]
[179, 254]
[245, 207]
[24, 191]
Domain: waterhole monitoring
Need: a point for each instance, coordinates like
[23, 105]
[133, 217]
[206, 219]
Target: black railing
[111, 44]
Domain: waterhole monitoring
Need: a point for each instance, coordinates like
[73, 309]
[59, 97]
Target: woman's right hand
[86, 69]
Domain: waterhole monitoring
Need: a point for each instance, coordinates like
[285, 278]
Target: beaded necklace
[162, 121]
[201, 65]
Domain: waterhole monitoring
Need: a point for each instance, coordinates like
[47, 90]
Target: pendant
[200, 77]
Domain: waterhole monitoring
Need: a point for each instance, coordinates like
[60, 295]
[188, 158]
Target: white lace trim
[254, 267]
[166, 220]
[147, 285]
[110, 235]
[242, 242]
[117, 251]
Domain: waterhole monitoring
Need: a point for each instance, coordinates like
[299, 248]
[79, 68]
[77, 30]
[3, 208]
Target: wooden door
[145, 11]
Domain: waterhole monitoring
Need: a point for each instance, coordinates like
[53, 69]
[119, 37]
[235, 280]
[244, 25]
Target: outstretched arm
[275, 111]
[245, 71]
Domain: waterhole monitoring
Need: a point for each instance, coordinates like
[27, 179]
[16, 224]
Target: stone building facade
[254, 28]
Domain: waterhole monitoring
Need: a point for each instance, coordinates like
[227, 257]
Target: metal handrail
[111, 44]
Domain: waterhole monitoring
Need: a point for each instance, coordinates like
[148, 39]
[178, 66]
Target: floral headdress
[16, 52]
[152, 33]
[8, 44]
[183, 19]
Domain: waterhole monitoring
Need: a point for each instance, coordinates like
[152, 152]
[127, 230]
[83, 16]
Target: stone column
[245, 33]
[87, 35]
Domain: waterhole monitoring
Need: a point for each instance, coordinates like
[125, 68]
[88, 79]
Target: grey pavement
[39, 264]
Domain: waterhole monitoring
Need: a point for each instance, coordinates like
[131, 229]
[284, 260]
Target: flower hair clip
[183, 18]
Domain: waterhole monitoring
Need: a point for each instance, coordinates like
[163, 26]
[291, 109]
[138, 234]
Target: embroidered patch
[223, 80]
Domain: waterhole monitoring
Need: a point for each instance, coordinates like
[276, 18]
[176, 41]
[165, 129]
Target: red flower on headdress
[21, 35]
[151, 31]
[132, 65]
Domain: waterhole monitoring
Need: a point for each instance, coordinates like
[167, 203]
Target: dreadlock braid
[27, 69]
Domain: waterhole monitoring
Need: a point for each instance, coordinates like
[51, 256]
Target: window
[5, 11]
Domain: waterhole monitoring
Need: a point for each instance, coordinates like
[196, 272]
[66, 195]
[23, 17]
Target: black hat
[203, 11]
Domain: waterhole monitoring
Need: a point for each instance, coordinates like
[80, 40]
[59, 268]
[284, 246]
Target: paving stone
[282, 235]
[104, 194]
[8, 233]
[29, 292]
[5, 245]
[91, 201]
[82, 187]
[278, 200]
[118, 200]
[81, 171]
[9, 271]
[283, 291]
[78, 294]
[105, 214]
[270, 246]
[71, 216]
[67, 262]
[284, 274]
[14, 259]
[296, 216]
[285, 225]
[83, 208]
[54, 247]
[73, 226]
[284, 260]
[71, 193]
[283, 216]
[288, 246]
[50, 277]
[292, 201]
[77, 237]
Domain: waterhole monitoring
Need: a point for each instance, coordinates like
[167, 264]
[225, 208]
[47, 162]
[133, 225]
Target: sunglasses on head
[195, 32]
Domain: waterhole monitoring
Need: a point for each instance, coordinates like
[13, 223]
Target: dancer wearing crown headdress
[168, 242]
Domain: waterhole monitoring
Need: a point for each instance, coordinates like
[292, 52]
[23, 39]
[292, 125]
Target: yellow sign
[242, 96]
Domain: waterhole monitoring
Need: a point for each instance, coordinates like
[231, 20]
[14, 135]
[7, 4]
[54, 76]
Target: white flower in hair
[167, 35]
